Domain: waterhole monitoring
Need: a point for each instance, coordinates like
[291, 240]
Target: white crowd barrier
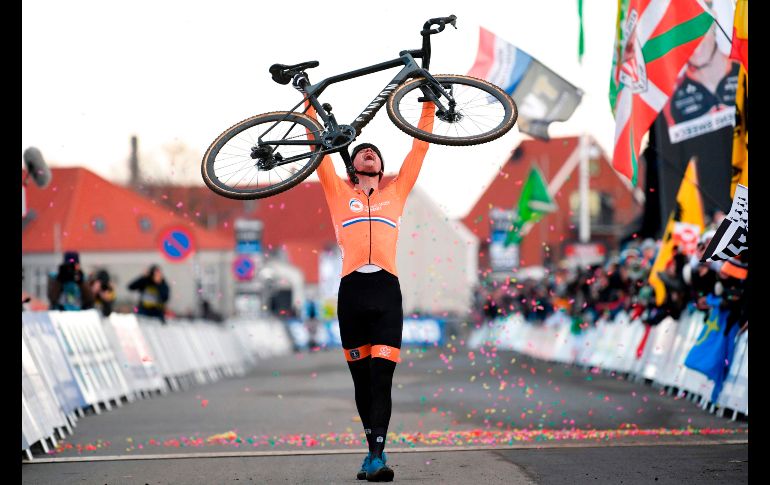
[73, 361]
[612, 345]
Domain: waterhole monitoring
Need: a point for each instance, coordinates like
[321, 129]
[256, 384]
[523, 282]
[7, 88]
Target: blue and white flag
[541, 95]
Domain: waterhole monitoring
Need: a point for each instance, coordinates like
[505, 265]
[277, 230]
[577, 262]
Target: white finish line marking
[241, 454]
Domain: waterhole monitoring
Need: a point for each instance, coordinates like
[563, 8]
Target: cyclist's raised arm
[328, 177]
[410, 169]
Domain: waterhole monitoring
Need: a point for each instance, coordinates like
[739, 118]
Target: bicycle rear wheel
[483, 111]
[236, 168]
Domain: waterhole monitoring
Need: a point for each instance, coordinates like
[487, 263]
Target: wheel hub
[265, 158]
[450, 116]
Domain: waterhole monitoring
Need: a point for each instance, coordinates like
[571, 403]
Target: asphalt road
[458, 417]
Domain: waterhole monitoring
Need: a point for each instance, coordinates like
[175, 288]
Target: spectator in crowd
[733, 275]
[208, 313]
[586, 294]
[700, 277]
[68, 289]
[103, 291]
[153, 293]
[311, 323]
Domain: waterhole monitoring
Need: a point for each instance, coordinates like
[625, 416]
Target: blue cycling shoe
[378, 471]
[362, 472]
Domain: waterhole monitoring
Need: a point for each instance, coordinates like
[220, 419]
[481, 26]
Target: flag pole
[585, 214]
[584, 224]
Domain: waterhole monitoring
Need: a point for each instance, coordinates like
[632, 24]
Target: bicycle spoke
[231, 176]
[256, 174]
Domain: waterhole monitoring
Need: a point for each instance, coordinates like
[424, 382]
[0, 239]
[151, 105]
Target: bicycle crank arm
[349, 168]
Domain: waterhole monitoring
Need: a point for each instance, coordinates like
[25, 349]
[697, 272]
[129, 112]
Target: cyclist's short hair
[375, 149]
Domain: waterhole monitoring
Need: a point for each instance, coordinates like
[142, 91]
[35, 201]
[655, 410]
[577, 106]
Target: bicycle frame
[410, 70]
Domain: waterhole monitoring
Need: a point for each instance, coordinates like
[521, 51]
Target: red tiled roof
[556, 228]
[82, 203]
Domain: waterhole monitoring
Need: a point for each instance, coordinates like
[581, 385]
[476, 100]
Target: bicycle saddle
[282, 73]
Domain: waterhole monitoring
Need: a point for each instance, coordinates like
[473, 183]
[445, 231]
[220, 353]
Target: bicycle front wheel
[237, 167]
[483, 112]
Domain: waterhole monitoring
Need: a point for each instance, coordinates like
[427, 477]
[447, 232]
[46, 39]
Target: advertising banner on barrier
[423, 331]
[96, 368]
[416, 331]
[199, 353]
[150, 330]
[263, 338]
[612, 345]
[735, 393]
[30, 430]
[133, 351]
[45, 347]
[42, 403]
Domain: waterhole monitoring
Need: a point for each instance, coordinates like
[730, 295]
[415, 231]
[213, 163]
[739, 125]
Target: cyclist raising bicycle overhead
[366, 221]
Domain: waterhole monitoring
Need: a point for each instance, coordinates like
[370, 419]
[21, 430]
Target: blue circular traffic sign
[244, 268]
[176, 244]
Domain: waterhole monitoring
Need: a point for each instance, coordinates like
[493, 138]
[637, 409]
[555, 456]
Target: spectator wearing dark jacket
[154, 293]
[68, 289]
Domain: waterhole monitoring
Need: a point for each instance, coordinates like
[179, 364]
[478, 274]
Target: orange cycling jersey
[367, 225]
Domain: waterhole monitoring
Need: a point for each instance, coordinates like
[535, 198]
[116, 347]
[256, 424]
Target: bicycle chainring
[342, 136]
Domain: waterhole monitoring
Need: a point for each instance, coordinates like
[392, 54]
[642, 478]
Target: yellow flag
[689, 210]
[741, 134]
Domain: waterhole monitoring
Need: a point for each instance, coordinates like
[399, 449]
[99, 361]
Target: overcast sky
[178, 73]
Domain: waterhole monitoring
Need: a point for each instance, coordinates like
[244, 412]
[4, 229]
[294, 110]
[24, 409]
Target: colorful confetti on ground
[475, 437]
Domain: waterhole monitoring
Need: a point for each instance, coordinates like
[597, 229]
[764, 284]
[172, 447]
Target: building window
[40, 282]
[145, 224]
[98, 224]
[210, 282]
[601, 207]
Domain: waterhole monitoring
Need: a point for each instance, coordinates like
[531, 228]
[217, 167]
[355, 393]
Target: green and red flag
[740, 50]
[534, 203]
[655, 38]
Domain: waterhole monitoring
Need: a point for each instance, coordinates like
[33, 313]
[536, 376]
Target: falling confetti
[447, 437]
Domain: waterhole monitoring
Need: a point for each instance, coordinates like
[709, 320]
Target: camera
[68, 272]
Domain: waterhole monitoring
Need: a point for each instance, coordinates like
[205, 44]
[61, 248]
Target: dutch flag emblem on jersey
[356, 220]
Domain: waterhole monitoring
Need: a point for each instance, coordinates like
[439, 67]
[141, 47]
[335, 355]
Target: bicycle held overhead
[272, 152]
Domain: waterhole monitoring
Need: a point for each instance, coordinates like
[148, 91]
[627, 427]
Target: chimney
[134, 164]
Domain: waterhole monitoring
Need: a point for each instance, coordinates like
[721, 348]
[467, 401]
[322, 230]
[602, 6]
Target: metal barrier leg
[96, 408]
[735, 414]
[79, 412]
[68, 428]
[721, 412]
[29, 454]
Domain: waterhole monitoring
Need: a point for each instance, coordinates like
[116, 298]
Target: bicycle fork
[442, 112]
